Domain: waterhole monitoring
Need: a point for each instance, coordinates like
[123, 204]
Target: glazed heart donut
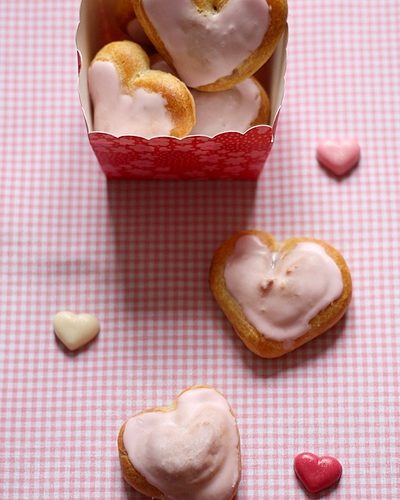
[237, 109]
[127, 22]
[131, 99]
[189, 450]
[213, 44]
[279, 296]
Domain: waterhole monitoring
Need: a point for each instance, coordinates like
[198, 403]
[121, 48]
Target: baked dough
[131, 99]
[189, 450]
[213, 44]
[278, 297]
[235, 110]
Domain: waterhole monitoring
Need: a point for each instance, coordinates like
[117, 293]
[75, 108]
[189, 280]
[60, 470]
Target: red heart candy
[317, 473]
[338, 156]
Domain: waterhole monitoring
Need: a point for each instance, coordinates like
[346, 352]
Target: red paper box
[230, 155]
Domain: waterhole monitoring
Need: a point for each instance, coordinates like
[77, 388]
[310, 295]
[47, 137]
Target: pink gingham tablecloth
[137, 255]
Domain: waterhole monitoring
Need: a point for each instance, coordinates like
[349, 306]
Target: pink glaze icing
[230, 110]
[206, 47]
[280, 294]
[192, 452]
[141, 113]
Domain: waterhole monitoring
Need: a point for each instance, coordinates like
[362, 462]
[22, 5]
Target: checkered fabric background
[137, 255]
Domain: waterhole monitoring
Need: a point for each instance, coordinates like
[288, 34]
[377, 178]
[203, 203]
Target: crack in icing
[281, 294]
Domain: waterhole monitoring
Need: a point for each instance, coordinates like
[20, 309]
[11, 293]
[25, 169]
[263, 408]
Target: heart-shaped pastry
[338, 156]
[131, 99]
[189, 450]
[213, 44]
[234, 110]
[317, 473]
[277, 297]
[75, 330]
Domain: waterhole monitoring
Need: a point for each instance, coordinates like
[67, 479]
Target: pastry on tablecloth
[279, 296]
[189, 450]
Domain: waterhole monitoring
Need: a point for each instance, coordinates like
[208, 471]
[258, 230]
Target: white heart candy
[75, 330]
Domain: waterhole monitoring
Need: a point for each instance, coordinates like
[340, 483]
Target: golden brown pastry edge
[254, 340]
[278, 13]
[133, 66]
[139, 482]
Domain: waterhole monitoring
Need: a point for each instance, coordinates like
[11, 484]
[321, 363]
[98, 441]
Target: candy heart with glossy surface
[338, 156]
[131, 99]
[317, 473]
[75, 330]
[279, 296]
[189, 450]
[213, 44]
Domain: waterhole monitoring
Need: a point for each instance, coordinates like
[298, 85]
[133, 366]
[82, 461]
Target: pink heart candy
[339, 156]
[317, 473]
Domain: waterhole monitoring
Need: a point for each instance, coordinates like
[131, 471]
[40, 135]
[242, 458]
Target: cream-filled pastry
[279, 296]
[131, 99]
[189, 450]
[213, 45]
[236, 110]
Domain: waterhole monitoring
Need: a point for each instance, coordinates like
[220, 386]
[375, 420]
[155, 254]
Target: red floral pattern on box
[230, 155]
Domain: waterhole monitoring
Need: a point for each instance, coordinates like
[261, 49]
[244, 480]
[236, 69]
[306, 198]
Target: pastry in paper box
[131, 99]
[127, 22]
[279, 296]
[189, 450]
[237, 109]
[213, 44]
